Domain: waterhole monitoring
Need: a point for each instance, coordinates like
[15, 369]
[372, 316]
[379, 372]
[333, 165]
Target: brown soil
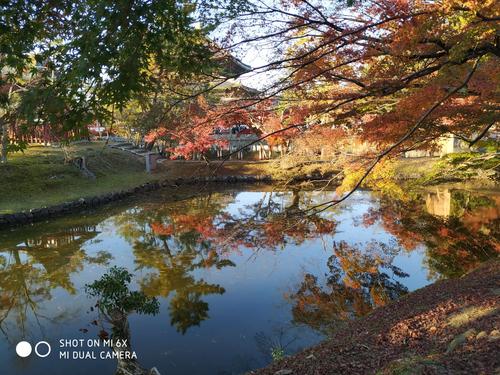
[450, 327]
[188, 168]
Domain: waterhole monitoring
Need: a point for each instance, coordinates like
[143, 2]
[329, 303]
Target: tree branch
[403, 139]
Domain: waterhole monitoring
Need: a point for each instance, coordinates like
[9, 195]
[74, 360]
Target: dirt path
[450, 327]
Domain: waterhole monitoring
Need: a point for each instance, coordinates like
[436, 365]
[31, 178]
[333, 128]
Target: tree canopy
[64, 63]
[397, 75]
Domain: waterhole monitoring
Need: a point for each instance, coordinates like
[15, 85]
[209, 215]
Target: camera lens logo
[42, 349]
[23, 349]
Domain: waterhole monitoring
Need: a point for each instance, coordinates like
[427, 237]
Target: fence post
[148, 163]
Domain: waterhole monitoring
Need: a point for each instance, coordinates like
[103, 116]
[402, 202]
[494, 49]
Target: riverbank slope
[449, 327]
[39, 177]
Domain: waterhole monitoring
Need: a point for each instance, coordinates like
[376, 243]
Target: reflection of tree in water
[454, 244]
[174, 240]
[171, 242]
[30, 268]
[358, 281]
[115, 303]
[173, 274]
[275, 221]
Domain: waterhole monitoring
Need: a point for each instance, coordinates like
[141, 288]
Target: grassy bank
[450, 327]
[39, 177]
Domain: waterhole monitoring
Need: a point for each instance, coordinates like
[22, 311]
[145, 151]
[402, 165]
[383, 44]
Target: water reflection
[172, 242]
[358, 280]
[233, 265]
[458, 229]
[175, 240]
[115, 302]
[438, 202]
[32, 268]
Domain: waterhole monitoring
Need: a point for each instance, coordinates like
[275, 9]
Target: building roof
[233, 67]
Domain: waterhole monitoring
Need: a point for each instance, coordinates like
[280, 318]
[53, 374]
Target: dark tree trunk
[4, 140]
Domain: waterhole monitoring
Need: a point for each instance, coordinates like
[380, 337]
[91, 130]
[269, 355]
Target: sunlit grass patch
[470, 314]
[39, 177]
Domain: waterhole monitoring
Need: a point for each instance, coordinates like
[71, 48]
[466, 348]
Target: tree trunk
[121, 331]
[5, 140]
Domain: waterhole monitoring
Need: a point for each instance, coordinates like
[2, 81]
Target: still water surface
[238, 277]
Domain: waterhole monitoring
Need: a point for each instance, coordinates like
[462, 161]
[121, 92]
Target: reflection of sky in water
[253, 305]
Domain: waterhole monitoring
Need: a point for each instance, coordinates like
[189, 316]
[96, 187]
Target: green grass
[39, 177]
[464, 166]
[411, 168]
[412, 365]
[470, 314]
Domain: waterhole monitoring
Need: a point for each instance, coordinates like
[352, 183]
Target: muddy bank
[449, 327]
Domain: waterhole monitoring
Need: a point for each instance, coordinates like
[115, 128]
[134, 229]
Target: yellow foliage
[382, 178]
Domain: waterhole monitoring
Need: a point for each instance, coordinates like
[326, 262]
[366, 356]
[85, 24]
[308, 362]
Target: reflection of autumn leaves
[29, 272]
[270, 232]
[357, 283]
[454, 245]
[173, 241]
[278, 229]
[275, 232]
[393, 218]
[183, 223]
[162, 229]
[481, 218]
[317, 307]
[200, 223]
[324, 226]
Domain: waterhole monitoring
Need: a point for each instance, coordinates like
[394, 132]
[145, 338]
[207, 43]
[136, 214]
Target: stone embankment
[44, 213]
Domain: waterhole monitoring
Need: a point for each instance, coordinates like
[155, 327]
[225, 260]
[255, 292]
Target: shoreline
[448, 327]
[25, 217]
[70, 207]
[62, 190]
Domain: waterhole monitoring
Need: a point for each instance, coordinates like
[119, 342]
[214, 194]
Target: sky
[261, 53]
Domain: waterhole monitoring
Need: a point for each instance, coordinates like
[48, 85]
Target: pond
[239, 278]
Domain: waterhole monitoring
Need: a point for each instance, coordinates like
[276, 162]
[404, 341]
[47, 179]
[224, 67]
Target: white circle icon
[23, 349]
[42, 355]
